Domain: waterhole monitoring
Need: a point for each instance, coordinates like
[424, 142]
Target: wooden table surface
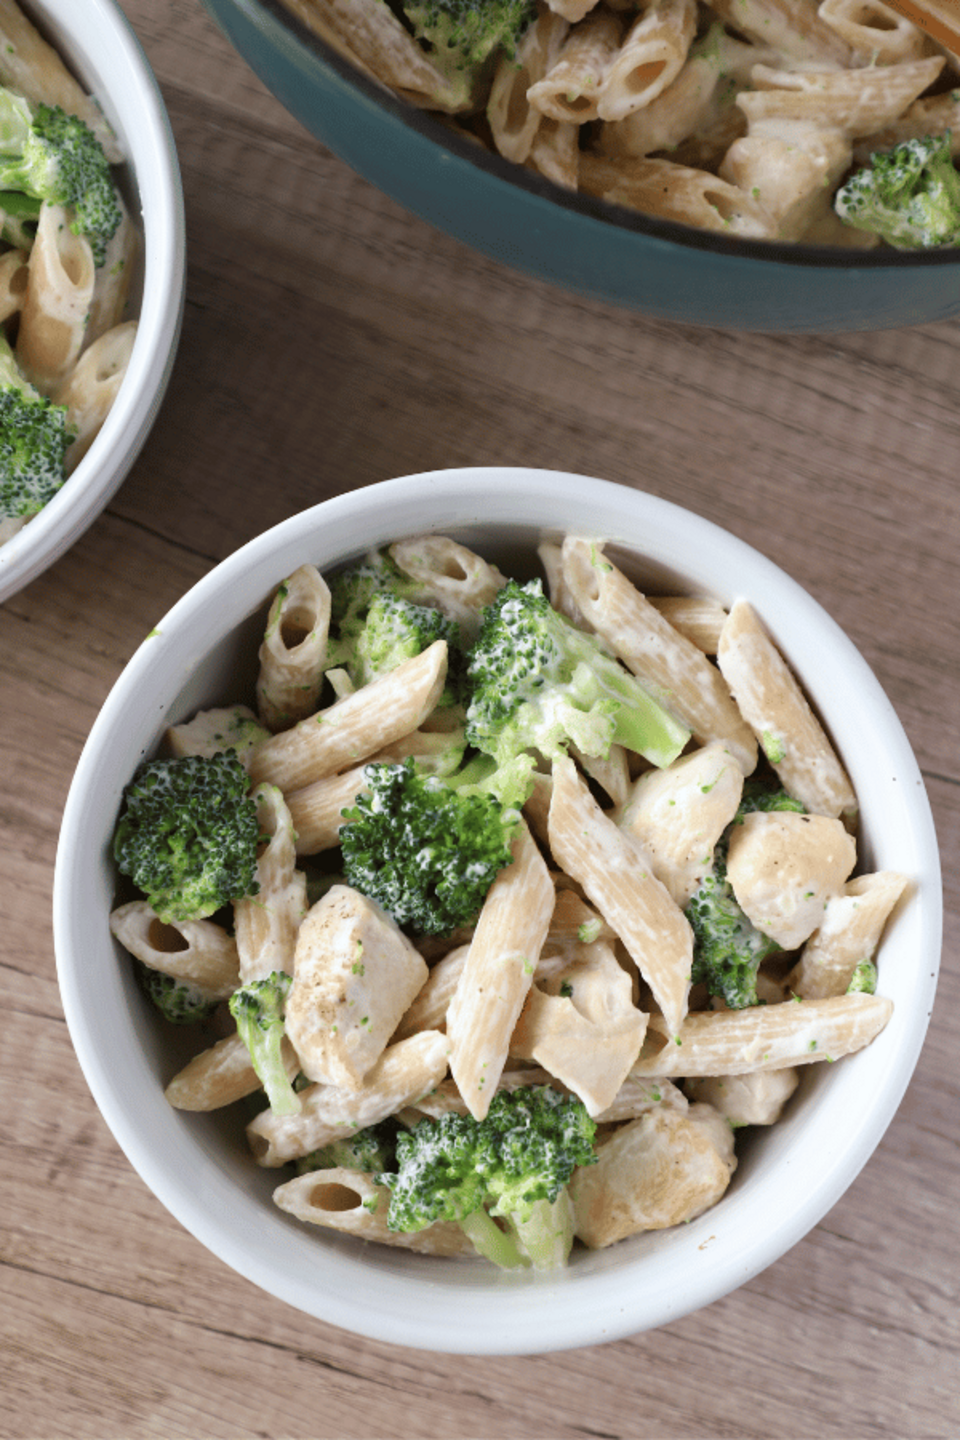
[331, 340]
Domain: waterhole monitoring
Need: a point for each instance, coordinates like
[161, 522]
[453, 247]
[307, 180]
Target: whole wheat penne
[317, 810]
[651, 56]
[771, 700]
[512, 119]
[498, 973]
[571, 88]
[374, 34]
[454, 578]
[267, 924]
[791, 27]
[558, 592]
[849, 932]
[198, 951]
[673, 191]
[763, 1037]
[293, 649]
[89, 389]
[404, 1073]
[349, 1201]
[695, 616]
[114, 277]
[56, 304]
[356, 727]
[619, 880]
[674, 668]
[446, 1099]
[879, 32]
[555, 152]
[33, 68]
[221, 1075]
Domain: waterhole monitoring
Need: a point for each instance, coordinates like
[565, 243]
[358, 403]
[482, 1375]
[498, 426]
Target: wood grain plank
[332, 340]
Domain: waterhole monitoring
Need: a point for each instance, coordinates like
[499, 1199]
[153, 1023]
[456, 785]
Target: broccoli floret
[537, 683]
[377, 621]
[909, 195]
[188, 834]
[371, 1151]
[396, 630]
[426, 847]
[352, 591]
[728, 949]
[464, 36]
[34, 436]
[50, 155]
[514, 1165]
[176, 999]
[863, 981]
[257, 1008]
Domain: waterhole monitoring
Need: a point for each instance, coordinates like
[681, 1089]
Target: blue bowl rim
[425, 124]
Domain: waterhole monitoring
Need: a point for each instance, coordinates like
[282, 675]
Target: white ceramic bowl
[97, 42]
[203, 653]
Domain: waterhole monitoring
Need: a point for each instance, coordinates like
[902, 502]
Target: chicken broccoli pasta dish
[500, 906]
[823, 121]
[67, 247]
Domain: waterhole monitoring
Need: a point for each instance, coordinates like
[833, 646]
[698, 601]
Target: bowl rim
[426, 124]
[386, 1301]
[159, 190]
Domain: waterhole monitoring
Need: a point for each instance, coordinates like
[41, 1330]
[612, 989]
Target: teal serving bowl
[603, 251]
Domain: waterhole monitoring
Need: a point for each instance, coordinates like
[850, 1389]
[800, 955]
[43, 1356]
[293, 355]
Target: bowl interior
[102, 50]
[199, 1166]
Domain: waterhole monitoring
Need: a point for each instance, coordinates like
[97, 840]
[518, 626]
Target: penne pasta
[674, 669]
[56, 303]
[570, 90]
[498, 973]
[349, 1201]
[14, 273]
[763, 1037]
[33, 68]
[356, 727]
[267, 924]
[618, 878]
[404, 1073]
[294, 649]
[779, 714]
[451, 576]
[222, 1075]
[90, 388]
[651, 57]
[199, 951]
[514, 121]
[849, 932]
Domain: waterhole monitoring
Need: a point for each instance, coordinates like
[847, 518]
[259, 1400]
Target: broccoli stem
[640, 722]
[492, 1242]
[546, 1234]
